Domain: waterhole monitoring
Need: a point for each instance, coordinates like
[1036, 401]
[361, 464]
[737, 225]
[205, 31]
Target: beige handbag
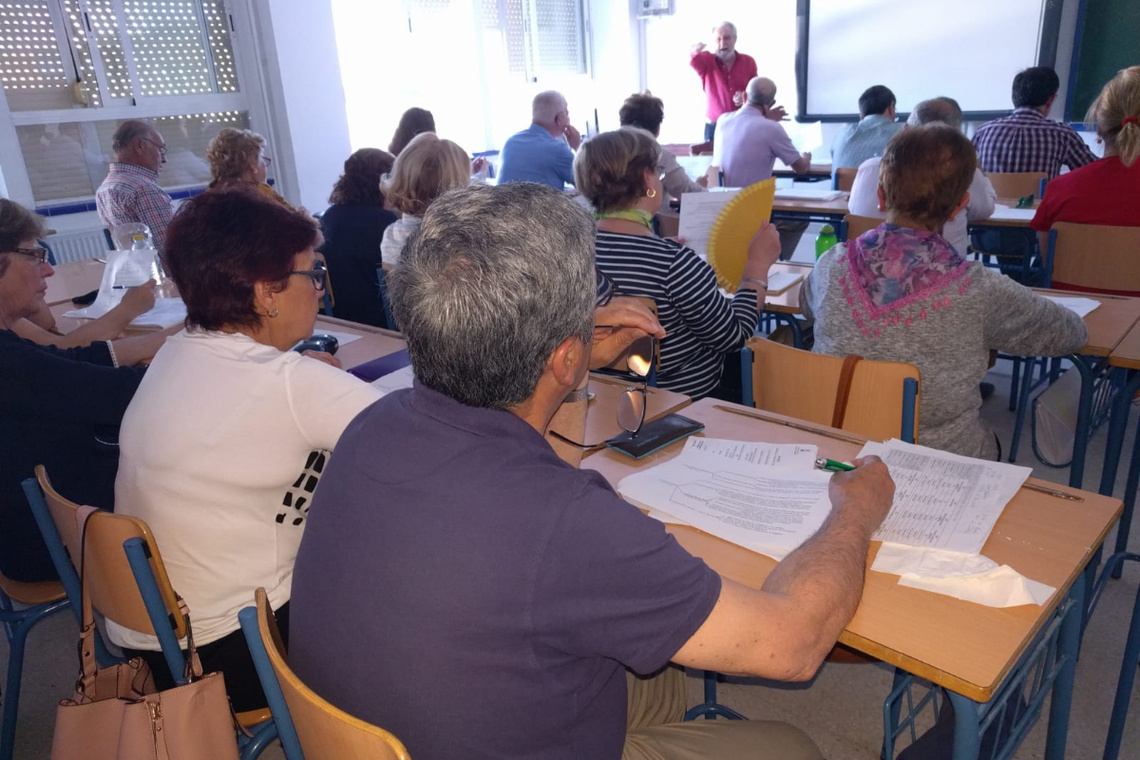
[117, 715]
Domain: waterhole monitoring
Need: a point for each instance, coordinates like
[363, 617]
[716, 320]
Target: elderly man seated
[544, 152]
[463, 587]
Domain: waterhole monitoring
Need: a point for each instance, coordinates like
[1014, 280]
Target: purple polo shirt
[462, 587]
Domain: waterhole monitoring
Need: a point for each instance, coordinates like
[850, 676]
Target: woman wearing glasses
[229, 432]
[237, 157]
[617, 172]
[58, 408]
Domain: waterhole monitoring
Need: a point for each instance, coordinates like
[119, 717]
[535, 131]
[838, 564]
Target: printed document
[770, 510]
[943, 500]
[796, 455]
[699, 212]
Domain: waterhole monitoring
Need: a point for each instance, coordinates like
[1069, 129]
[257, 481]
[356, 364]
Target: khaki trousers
[656, 732]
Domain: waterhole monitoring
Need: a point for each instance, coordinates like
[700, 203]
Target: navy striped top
[701, 324]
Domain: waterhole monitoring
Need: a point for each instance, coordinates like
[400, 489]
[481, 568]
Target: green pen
[822, 463]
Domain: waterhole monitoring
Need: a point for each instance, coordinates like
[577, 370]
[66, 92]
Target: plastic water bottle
[825, 241]
[140, 243]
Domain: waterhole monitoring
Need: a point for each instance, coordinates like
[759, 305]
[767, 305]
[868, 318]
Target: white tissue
[970, 577]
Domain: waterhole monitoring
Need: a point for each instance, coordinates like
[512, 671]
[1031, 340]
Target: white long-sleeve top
[864, 201]
[220, 451]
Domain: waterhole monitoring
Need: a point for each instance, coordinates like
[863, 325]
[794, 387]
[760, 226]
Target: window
[72, 70]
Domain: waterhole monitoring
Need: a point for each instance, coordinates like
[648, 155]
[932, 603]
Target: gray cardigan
[948, 334]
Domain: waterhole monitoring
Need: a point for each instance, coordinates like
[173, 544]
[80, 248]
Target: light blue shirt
[865, 139]
[535, 155]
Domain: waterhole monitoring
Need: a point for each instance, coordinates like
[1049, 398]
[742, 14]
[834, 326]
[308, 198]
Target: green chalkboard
[1109, 42]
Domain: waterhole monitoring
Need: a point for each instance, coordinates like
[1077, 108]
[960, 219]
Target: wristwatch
[580, 394]
[762, 283]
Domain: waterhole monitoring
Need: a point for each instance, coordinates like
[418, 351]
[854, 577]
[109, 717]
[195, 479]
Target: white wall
[309, 125]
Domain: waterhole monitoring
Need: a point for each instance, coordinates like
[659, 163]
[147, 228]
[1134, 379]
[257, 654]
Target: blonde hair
[231, 153]
[426, 169]
[609, 170]
[1119, 100]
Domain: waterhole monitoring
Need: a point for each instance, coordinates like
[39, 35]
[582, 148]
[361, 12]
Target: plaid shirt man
[131, 193]
[1026, 141]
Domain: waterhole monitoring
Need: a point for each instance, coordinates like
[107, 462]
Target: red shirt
[1104, 192]
[720, 82]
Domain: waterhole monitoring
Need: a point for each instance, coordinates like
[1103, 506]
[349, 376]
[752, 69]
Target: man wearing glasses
[462, 587]
[130, 193]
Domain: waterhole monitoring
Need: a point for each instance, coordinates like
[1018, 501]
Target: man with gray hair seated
[130, 193]
[544, 152]
[867, 199]
[462, 587]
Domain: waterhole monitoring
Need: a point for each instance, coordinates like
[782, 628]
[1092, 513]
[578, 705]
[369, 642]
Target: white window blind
[31, 64]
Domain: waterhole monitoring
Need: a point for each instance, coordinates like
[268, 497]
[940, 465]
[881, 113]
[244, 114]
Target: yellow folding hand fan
[734, 228]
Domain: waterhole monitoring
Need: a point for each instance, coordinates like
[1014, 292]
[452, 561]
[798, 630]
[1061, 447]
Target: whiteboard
[969, 50]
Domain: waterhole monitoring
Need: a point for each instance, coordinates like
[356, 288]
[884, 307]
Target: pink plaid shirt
[131, 194]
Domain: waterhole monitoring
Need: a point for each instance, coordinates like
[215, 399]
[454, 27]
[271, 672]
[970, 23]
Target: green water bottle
[825, 241]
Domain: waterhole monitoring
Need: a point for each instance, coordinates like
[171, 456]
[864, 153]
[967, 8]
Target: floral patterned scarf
[893, 263]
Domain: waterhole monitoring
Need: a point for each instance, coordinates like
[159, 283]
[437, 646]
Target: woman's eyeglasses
[631, 404]
[318, 275]
[39, 254]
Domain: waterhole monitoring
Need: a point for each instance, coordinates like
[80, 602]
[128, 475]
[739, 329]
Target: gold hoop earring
[650, 192]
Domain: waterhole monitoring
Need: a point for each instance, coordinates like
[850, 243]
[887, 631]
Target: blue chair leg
[710, 709]
[1127, 669]
[17, 625]
[263, 736]
[282, 720]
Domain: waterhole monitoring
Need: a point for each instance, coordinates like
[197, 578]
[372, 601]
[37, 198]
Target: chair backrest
[845, 178]
[1095, 256]
[108, 574]
[1017, 184]
[323, 730]
[857, 225]
[804, 385]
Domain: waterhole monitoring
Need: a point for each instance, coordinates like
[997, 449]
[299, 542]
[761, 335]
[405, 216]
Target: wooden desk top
[1108, 323]
[836, 207]
[965, 647]
[787, 302]
[374, 343]
[1127, 351]
[601, 413]
[72, 279]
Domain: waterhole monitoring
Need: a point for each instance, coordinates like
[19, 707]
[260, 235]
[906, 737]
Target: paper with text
[1082, 307]
[699, 212]
[770, 510]
[943, 500]
[795, 455]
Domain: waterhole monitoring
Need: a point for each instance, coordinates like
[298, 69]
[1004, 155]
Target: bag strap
[193, 670]
[846, 375]
[86, 683]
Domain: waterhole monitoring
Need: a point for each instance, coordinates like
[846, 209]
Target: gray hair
[546, 107]
[491, 283]
[127, 132]
[761, 91]
[729, 24]
[942, 110]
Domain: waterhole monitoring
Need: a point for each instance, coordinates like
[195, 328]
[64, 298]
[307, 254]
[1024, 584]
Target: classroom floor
[841, 709]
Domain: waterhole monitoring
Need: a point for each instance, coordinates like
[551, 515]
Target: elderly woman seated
[230, 430]
[237, 158]
[644, 111]
[426, 169]
[901, 292]
[59, 408]
[617, 172]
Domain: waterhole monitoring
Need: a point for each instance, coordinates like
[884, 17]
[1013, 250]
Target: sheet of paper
[342, 338]
[699, 211]
[1082, 307]
[123, 269]
[770, 510]
[794, 455]
[1009, 213]
[778, 282]
[970, 577]
[166, 313]
[808, 191]
[695, 166]
[943, 500]
[806, 136]
[394, 381]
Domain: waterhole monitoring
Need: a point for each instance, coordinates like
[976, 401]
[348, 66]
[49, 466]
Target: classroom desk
[797, 210]
[785, 307]
[1107, 326]
[815, 172]
[374, 343]
[969, 649]
[75, 278]
[1124, 358]
[1006, 214]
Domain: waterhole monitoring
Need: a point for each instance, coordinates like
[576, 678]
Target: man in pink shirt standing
[724, 75]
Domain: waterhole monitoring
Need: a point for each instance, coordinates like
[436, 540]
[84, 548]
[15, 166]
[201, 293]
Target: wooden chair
[1018, 184]
[857, 225]
[882, 402]
[1093, 256]
[128, 584]
[701, 149]
[844, 178]
[41, 601]
[308, 725]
